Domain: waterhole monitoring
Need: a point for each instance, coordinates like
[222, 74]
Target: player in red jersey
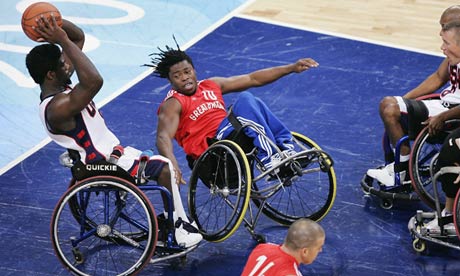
[194, 111]
[303, 242]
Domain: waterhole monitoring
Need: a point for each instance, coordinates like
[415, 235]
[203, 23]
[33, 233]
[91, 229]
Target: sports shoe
[386, 175]
[289, 152]
[272, 161]
[186, 234]
[276, 158]
[433, 227]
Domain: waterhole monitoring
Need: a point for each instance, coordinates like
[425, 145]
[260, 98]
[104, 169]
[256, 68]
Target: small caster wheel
[259, 238]
[386, 204]
[79, 259]
[418, 245]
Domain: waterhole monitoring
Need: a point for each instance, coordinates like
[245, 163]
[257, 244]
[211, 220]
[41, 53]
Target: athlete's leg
[399, 117]
[160, 169]
[248, 108]
[390, 113]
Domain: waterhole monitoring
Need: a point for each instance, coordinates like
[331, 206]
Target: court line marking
[356, 38]
[235, 13]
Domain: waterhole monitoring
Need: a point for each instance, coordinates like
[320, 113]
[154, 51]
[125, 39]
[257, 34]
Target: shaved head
[303, 233]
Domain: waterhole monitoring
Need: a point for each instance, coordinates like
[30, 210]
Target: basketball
[35, 11]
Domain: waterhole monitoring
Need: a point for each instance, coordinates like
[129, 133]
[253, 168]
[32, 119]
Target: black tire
[423, 150]
[101, 234]
[456, 214]
[220, 187]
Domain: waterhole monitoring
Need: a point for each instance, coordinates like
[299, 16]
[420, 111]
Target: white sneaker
[433, 227]
[272, 161]
[186, 234]
[289, 152]
[386, 175]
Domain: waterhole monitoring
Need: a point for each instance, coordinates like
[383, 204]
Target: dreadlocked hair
[165, 59]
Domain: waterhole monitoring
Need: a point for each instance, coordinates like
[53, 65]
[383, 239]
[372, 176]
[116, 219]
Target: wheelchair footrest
[400, 192]
[165, 253]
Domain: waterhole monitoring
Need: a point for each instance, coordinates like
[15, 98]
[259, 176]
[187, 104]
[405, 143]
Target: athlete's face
[63, 72]
[182, 76]
[450, 45]
[308, 255]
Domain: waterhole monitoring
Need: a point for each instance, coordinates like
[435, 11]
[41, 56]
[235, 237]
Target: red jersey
[200, 117]
[268, 259]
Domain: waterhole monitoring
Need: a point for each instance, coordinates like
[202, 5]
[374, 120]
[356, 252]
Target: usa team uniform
[94, 141]
[449, 97]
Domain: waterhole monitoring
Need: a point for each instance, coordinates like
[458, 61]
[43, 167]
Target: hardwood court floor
[404, 23]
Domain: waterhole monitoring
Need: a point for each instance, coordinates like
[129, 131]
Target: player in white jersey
[405, 115]
[72, 120]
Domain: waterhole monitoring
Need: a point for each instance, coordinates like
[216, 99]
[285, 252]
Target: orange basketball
[34, 12]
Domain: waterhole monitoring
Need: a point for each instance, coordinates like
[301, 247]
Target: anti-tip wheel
[260, 238]
[418, 245]
[386, 204]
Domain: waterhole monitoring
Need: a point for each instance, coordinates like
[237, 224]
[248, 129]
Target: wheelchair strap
[445, 220]
[234, 121]
[401, 166]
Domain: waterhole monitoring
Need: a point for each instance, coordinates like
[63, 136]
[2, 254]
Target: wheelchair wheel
[456, 213]
[423, 150]
[220, 187]
[308, 196]
[104, 226]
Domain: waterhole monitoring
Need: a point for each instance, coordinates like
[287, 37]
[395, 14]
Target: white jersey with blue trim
[91, 137]
[452, 93]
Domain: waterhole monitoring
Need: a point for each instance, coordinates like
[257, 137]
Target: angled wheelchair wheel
[104, 226]
[220, 187]
[424, 148]
[310, 195]
[456, 214]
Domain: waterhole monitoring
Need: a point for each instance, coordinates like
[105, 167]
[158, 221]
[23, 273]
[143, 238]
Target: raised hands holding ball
[39, 12]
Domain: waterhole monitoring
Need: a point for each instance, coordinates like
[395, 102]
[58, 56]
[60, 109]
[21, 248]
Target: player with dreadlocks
[194, 111]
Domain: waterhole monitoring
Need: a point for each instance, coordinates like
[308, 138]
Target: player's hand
[435, 124]
[178, 176]
[49, 30]
[305, 64]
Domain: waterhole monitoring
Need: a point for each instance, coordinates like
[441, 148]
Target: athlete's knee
[389, 108]
[164, 179]
[247, 97]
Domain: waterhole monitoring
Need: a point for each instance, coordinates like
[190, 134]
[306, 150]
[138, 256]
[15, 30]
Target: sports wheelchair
[419, 187]
[105, 224]
[423, 148]
[228, 176]
[445, 236]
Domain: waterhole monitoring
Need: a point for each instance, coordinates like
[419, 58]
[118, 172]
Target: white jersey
[452, 93]
[91, 137]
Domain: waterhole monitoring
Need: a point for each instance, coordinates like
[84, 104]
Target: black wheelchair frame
[423, 148]
[417, 224]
